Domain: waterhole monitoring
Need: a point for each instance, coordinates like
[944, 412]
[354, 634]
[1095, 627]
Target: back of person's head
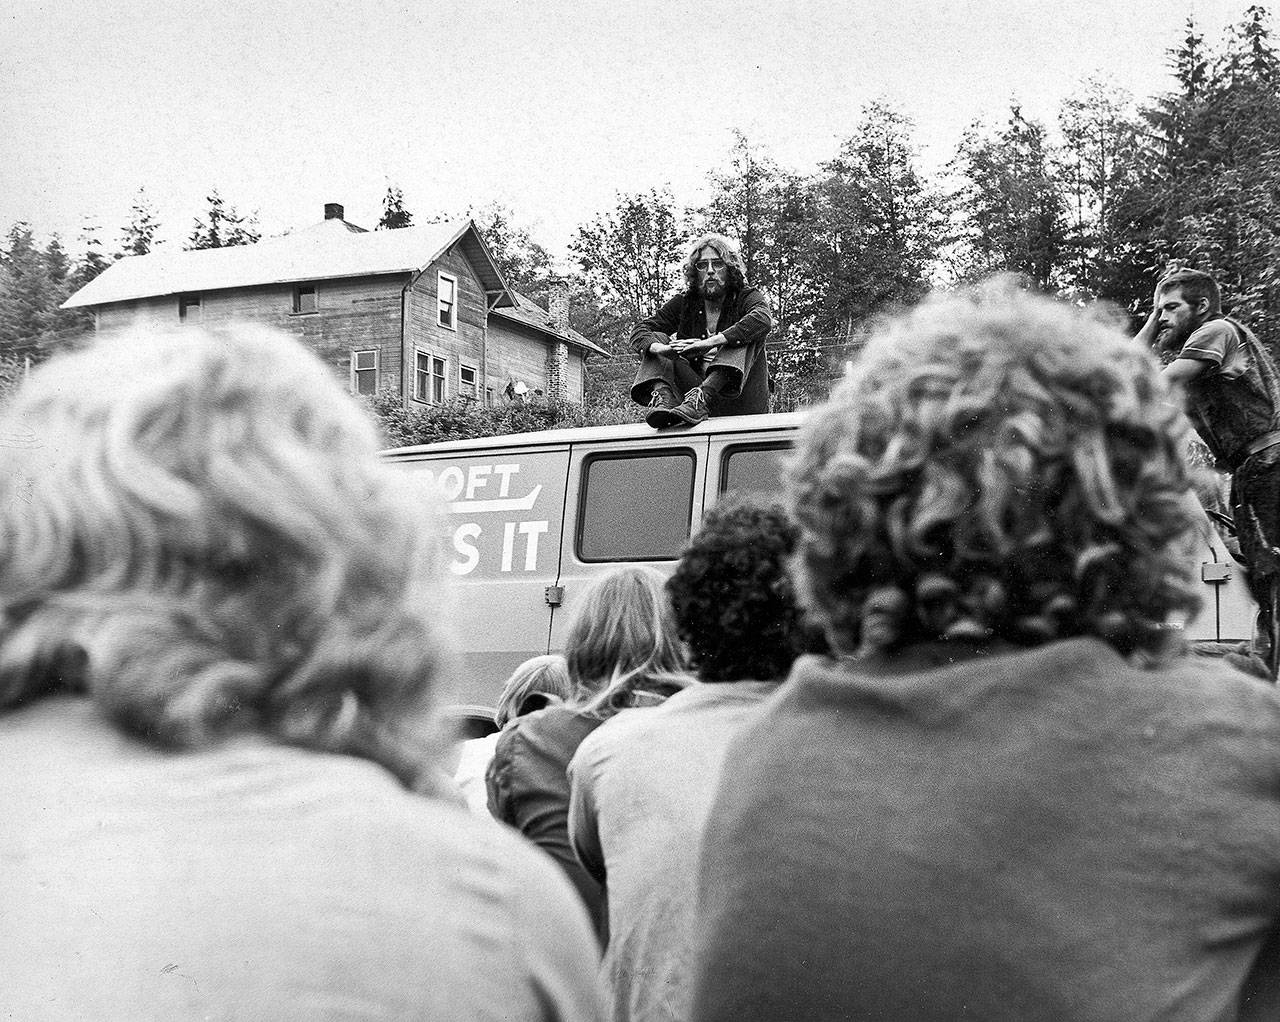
[622, 638]
[1195, 286]
[998, 466]
[535, 684]
[196, 531]
[732, 597]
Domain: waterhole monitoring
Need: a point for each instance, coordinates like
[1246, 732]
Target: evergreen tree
[94, 260]
[222, 226]
[29, 293]
[879, 227]
[394, 214]
[1190, 62]
[140, 232]
[1098, 167]
[1011, 207]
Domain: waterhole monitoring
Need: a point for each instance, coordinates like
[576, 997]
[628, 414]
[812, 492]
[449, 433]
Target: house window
[304, 298]
[488, 397]
[364, 371]
[447, 301]
[429, 377]
[467, 383]
[188, 308]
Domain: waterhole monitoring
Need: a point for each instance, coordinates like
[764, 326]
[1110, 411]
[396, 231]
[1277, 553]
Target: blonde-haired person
[622, 651]
[539, 682]
[219, 656]
[1017, 799]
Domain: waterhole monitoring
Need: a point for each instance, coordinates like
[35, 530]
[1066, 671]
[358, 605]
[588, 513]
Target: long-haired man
[703, 352]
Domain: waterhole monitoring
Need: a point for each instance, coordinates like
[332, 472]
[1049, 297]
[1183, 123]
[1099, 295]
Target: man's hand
[693, 346]
[659, 348]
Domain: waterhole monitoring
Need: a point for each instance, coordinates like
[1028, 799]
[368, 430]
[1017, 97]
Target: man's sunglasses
[709, 264]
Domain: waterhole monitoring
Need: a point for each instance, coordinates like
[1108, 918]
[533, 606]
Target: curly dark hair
[736, 275]
[734, 603]
[996, 466]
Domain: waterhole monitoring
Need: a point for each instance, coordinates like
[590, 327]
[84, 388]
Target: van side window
[753, 468]
[635, 508]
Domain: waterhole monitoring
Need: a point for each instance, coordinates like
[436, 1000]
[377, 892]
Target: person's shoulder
[1210, 340]
[621, 730]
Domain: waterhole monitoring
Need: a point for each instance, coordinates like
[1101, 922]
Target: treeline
[1090, 206]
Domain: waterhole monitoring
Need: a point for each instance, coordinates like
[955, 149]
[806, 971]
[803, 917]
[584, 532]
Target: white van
[537, 516]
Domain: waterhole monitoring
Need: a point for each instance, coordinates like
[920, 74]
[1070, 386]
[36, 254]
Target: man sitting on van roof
[706, 343]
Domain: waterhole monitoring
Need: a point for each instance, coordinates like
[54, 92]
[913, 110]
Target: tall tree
[32, 284]
[222, 226]
[394, 214]
[741, 202]
[524, 263]
[632, 253]
[881, 226]
[1011, 208]
[93, 260]
[140, 231]
[1100, 133]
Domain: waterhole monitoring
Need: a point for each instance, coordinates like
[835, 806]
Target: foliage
[1010, 206]
[1100, 131]
[11, 374]
[222, 226]
[394, 214]
[633, 253]
[877, 229]
[461, 420]
[141, 229]
[34, 282]
[524, 263]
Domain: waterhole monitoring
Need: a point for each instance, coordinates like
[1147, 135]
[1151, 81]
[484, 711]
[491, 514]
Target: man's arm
[753, 325]
[658, 328]
[1181, 370]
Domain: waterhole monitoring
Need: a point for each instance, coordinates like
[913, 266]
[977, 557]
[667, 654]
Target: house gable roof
[326, 251]
[529, 313]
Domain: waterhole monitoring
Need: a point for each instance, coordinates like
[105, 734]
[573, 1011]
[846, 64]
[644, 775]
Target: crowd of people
[920, 742]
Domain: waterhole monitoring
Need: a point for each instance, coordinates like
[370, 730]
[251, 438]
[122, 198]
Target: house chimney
[558, 304]
[333, 211]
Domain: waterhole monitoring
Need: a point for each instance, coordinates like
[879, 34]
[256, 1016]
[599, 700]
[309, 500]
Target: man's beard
[1171, 340]
[711, 288]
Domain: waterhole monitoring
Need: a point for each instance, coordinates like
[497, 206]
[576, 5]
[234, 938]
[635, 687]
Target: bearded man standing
[1233, 400]
[705, 345]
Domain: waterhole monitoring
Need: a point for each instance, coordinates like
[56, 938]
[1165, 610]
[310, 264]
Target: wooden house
[422, 312]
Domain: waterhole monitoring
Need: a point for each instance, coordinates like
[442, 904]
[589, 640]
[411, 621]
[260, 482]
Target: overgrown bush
[462, 420]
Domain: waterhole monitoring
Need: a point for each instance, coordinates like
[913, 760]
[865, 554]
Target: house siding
[359, 314]
[520, 353]
[463, 346]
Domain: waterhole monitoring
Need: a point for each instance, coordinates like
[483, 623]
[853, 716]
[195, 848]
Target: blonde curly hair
[196, 531]
[997, 466]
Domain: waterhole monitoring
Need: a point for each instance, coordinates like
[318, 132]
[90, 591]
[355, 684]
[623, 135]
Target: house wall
[359, 314]
[519, 353]
[464, 345]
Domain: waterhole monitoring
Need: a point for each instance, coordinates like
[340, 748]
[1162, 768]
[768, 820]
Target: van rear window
[635, 508]
[756, 468]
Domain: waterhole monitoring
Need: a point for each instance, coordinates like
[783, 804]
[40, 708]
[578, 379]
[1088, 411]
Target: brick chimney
[334, 211]
[558, 304]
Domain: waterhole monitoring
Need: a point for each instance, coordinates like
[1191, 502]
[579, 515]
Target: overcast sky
[550, 107]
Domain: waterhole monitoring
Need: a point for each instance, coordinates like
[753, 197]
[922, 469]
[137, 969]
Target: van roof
[778, 421]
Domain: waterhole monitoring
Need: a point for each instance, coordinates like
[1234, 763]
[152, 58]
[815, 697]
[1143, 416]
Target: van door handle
[554, 595]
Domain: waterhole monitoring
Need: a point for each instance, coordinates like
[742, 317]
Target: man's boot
[661, 400]
[692, 410]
